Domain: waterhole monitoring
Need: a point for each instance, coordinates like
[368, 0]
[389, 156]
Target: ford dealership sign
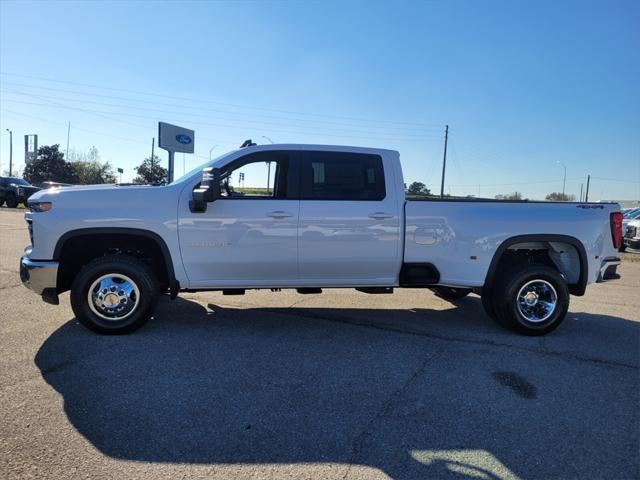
[174, 138]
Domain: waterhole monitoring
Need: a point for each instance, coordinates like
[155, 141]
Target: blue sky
[523, 85]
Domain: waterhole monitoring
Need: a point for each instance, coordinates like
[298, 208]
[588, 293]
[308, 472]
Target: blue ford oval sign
[184, 139]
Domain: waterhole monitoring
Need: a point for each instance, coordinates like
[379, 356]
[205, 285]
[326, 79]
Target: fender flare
[576, 289]
[171, 276]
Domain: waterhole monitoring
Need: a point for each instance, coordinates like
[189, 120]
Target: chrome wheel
[113, 296]
[537, 300]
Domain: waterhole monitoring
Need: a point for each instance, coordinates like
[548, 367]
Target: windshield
[18, 181]
[199, 168]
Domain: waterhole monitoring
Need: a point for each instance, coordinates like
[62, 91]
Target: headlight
[40, 206]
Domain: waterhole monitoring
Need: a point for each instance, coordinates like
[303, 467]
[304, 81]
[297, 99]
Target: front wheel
[532, 299]
[115, 294]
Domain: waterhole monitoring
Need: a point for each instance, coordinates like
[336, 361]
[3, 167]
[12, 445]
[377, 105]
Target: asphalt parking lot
[338, 385]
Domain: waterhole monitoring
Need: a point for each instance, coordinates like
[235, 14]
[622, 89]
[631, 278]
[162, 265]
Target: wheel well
[567, 256]
[79, 249]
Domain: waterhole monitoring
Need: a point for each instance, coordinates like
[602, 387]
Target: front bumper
[39, 276]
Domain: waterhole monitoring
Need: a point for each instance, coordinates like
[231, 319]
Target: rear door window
[342, 176]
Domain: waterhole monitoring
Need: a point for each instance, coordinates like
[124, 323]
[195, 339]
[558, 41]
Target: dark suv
[14, 191]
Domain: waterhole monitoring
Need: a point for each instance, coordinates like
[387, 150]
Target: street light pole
[564, 179]
[267, 138]
[211, 150]
[10, 152]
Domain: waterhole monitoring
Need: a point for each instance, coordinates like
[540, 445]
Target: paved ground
[339, 385]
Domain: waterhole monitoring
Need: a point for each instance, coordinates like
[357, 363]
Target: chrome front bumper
[39, 276]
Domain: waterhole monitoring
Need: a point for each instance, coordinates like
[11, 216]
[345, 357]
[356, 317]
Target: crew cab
[327, 217]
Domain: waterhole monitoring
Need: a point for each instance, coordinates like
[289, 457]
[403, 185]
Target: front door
[248, 237]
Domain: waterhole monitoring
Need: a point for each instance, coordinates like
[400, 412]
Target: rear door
[349, 228]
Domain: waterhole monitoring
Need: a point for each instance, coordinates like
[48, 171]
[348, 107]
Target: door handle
[380, 215]
[279, 214]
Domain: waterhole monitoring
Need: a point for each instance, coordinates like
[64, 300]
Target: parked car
[334, 217]
[14, 191]
[628, 217]
[632, 234]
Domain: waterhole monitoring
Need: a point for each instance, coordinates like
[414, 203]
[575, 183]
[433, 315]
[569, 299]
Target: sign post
[120, 171]
[174, 139]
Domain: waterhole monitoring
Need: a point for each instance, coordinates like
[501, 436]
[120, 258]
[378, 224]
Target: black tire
[487, 304]
[12, 200]
[141, 276]
[1, 201]
[450, 293]
[539, 277]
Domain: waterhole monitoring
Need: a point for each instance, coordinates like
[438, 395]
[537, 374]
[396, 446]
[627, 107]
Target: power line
[199, 100]
[47, 98]
[108, 116]
[95, 132]
[205, 109]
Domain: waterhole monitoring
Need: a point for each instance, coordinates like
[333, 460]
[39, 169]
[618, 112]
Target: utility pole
[581, 185]
[153, 144]
[10, 151]
[444, 159]
[68, 135]
[586, 195]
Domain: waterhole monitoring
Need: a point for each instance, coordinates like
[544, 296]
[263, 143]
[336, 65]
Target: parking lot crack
[385, 410]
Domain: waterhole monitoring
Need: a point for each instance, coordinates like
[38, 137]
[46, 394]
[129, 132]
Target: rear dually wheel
[531, 299]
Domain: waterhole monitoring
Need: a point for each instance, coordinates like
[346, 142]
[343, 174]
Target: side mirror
[208, 191]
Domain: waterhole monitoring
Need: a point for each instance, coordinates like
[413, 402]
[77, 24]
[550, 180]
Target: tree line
[85, 168]
[420, 189]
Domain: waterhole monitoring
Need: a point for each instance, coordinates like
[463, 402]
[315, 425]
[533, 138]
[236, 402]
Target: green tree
[560, 197]
[50, 165]
[89, 168]
[150, 171]
[418, 188]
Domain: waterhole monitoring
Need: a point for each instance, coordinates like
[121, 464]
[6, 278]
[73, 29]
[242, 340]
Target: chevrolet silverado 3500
[332, 217]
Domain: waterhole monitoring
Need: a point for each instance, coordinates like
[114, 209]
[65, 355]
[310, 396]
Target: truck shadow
[404, 391]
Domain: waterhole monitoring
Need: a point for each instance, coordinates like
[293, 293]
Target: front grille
[30, 228]
[631, 231]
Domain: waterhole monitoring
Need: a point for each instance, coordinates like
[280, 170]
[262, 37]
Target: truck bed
[460, 237]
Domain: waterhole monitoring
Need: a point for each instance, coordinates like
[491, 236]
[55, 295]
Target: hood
[84, 191]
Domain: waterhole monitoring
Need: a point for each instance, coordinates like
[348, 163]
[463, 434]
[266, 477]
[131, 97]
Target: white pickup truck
[328, 217]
